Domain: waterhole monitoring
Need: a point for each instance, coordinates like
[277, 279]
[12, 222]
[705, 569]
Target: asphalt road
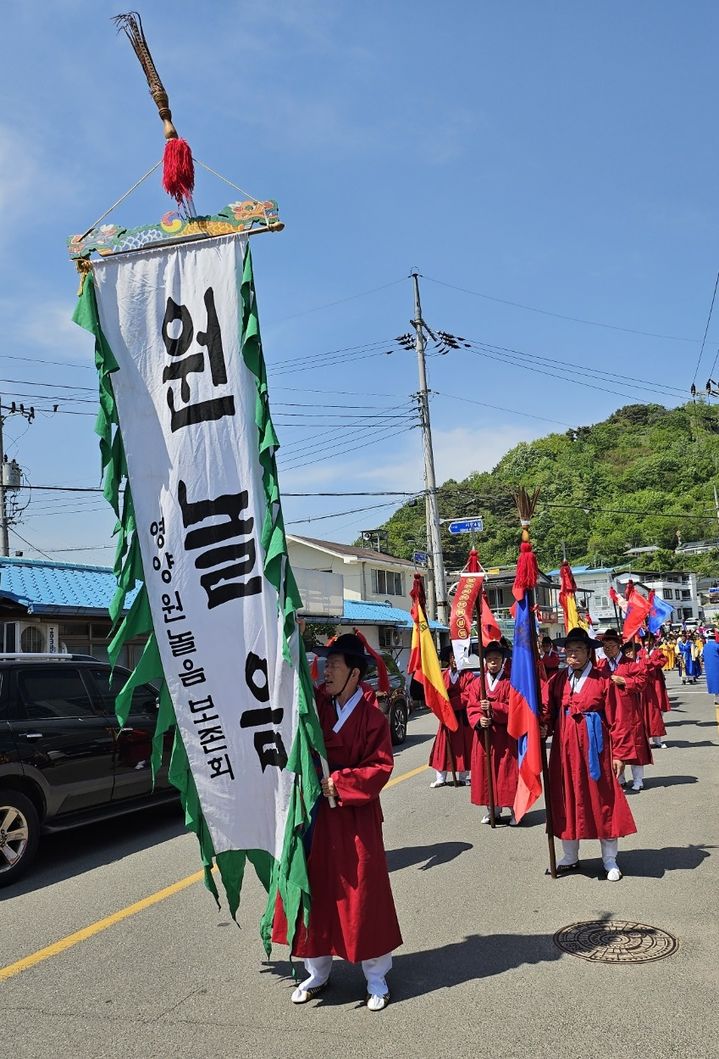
[478, 975]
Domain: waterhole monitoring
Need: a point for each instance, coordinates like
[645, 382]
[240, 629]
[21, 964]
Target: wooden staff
[543, 745]
[483, 688]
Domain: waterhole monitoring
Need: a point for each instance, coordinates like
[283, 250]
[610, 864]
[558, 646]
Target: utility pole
[4, 539]
[13, 473]
[716, 502]
[437, 587]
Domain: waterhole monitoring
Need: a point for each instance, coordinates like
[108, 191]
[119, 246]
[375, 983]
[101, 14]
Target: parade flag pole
[485, 731]
[526, 691]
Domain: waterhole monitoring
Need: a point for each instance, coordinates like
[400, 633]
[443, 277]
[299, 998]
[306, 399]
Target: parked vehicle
[395, 704]
[64, 759]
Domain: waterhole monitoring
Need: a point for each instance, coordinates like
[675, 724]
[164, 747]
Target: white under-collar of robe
[614, 662]
[577, 683]
[344, 712]
[493, 681]
[454, 677]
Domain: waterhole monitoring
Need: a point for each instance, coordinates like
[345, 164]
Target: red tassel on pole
[527, 570]
[178, 170]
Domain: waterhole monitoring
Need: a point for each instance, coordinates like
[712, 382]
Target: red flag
[637, 613]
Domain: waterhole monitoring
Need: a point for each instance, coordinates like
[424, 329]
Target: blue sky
[550, 154]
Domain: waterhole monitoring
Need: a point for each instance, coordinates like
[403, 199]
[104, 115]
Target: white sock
[610, 848]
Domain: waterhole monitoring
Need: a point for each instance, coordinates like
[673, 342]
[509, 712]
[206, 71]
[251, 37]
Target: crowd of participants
[604, 710]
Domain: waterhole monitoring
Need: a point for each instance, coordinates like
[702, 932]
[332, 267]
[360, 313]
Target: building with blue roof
[51, 606]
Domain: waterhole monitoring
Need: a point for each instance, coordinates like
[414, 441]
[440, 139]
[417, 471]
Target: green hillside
[605, 488]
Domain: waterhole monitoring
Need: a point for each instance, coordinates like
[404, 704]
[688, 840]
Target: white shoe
[438, 783]
[638, 785]
[485, 819]
[513, 822]
[377, 1002]
[614, 875]
[302, 995]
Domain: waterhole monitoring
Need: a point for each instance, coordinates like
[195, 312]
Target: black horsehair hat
[350, 645]
[495, 647]
[580, 635]
[614, 635]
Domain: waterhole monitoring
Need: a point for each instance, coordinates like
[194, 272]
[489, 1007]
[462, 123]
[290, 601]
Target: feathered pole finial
[178, 170]
[527, 569]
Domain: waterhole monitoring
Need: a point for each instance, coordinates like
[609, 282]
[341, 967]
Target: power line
[38, 550]
[706, 330]
[499, 408]
[559, 316]
[340, 301]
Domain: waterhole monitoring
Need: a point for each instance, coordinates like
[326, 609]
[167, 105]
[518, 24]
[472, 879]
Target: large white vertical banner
[187, 410]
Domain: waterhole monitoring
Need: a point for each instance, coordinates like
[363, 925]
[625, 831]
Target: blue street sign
[466, 525]
[420, 558]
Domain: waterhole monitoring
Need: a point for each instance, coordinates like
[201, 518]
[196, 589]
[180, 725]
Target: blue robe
[690, 666]
[711, 664]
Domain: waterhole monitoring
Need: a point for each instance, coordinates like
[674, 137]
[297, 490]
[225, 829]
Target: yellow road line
[131, 910]
[96, 928]
[406, 776]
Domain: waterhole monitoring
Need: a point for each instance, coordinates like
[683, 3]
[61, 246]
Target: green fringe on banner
[287, 876]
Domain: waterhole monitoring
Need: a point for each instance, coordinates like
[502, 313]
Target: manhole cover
[617, 941]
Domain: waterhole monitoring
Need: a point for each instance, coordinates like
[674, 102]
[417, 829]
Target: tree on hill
[627, 481]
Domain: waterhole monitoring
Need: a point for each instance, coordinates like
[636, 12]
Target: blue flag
[660, 612]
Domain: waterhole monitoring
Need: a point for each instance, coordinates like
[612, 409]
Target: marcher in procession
[452, 751]
[656, 698]
[548, 656]
[625, 707]
[352, 913]
[688, 663]
[586, 799]
[492, 713]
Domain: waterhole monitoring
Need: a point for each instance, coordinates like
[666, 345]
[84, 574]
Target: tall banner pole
[543, 745]
[485, 731]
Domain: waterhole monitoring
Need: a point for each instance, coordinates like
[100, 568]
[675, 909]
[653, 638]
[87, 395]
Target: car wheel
[398, 722]
[19, 834]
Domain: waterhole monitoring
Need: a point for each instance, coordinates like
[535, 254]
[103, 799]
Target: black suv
[395, 704]
[64, 759]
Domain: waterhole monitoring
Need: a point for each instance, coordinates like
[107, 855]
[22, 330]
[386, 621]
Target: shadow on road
[412, 740]
[668, 781]
[682, 743]
[655, 863]
[416, 974]
[70, 853]
[432, 856]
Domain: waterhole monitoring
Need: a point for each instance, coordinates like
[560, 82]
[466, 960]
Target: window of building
[668, 593]
[7, 637]
[387, 583]
[686, 593]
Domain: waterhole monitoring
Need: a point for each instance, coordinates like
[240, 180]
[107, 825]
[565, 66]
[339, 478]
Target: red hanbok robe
[582, 807]
[502, 747]
[461, 740]
[550, 661]
[352, 913]
[625, 712]
[656, 698]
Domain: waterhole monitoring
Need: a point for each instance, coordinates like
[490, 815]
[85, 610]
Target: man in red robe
[352, 914]
[625, 708]
[586, 799]
[656, 698]
[451, 751]
[492, 713]
[548, 656]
